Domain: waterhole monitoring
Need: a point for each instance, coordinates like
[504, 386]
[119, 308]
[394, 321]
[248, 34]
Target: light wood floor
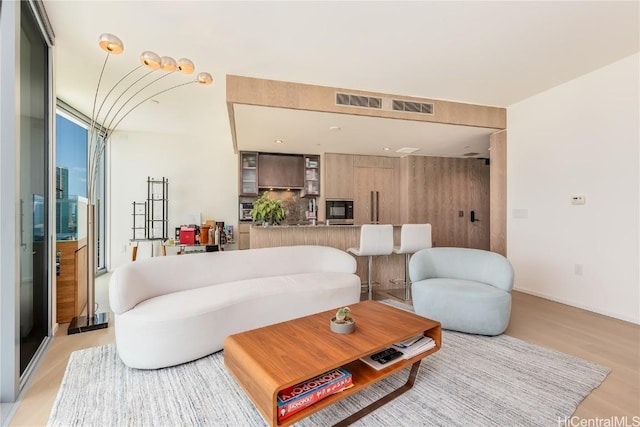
[593, 337]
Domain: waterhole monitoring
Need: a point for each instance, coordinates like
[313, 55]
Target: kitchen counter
[336, 236]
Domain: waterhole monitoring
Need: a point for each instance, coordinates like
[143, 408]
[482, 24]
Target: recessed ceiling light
[278, 141]
[407, 150]
[334, 128]
[386, 148]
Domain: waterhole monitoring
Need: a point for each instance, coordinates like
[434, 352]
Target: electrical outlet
[124, 247]
[577, 269]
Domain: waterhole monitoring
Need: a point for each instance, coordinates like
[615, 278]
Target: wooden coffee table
[269, 359]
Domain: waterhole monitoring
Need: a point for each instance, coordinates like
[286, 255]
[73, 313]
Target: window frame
[70, 113]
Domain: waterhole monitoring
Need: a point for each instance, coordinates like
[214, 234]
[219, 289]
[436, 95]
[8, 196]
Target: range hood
[280, 171]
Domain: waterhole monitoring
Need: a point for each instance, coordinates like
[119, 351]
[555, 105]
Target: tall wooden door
[443, 192]
[478, 231]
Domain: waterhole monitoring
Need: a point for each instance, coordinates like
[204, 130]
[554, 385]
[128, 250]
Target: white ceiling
[483, 52]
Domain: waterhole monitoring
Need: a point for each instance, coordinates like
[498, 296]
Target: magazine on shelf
[403, 350]
[306, 393]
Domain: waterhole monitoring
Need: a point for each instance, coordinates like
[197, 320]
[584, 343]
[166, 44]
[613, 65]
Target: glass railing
[71, 218]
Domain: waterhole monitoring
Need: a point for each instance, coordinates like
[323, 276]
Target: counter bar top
[341, 237]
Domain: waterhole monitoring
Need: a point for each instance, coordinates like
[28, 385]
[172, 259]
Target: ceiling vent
[358, 100]
[471, 154]
[412, 107]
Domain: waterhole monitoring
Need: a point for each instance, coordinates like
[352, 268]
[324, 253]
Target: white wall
[579, 138]
[202, 173]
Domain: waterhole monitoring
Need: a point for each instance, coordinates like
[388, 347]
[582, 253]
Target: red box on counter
[187, 236]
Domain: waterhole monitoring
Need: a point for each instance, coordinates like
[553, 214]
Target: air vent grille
[383, 103]
[412, 107]
[358, 100]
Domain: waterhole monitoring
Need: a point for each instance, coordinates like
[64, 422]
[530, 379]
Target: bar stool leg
[369, 286]
[407, 284]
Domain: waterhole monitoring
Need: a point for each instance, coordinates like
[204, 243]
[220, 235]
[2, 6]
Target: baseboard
[581, 306]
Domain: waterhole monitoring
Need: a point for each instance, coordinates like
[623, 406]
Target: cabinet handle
[371, 208]
[377, 207]
[473, 217]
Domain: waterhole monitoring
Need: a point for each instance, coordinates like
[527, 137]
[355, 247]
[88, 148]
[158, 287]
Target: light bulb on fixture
[150, 59]
[204, 79]
[186, 66]
[167, 63]
[111, 44]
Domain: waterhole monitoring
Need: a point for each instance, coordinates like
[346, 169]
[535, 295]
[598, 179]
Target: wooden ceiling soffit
[298, 96]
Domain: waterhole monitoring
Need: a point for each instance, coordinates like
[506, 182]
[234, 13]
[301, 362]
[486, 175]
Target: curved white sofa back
[462, 263]
[152, 277]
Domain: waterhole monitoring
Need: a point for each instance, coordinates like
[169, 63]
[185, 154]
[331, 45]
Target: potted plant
[343, 323]
[267, 210]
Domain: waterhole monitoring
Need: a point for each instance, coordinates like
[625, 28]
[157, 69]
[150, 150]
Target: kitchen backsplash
[295, 206]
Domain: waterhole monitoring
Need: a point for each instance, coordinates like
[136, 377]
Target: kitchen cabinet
[71, 283]
[374, 195]
[248, 173]
[244, 235]
[338, 176]
[311, 176]
[373, 162]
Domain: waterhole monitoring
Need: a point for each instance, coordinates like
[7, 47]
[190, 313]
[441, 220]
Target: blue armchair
[467, 290]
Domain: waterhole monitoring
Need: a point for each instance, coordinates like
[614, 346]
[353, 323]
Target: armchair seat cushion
[463, 305]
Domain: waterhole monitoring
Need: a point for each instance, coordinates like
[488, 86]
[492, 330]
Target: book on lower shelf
[306, 393]
[403, 350]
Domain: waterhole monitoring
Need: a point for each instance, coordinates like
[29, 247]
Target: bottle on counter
[216, 237]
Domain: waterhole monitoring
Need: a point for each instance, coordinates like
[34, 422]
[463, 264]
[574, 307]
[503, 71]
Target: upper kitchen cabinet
[248, 173]
[338, 176]
[311, 176]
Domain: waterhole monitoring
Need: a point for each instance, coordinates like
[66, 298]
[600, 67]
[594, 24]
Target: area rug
[471, 381]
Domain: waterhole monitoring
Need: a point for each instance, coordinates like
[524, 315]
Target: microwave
[339, 211]
[245, 211]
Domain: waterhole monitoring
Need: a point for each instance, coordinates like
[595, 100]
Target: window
[72, 157]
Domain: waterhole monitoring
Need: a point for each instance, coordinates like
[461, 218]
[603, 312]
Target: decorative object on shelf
[268, 211]
[343, 323]
[117, 107]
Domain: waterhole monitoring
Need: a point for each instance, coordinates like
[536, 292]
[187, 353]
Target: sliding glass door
[34, 252]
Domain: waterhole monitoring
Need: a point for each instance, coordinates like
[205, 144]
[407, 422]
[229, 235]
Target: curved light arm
[94, 142]
[107, 135]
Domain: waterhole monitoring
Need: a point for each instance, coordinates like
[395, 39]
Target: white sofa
[175, 309]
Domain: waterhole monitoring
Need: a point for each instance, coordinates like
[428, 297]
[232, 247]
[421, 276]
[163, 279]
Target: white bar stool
[375, 239]
[413, 237]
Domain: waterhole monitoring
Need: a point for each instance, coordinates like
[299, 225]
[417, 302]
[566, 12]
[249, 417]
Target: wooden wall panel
[498, 192]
